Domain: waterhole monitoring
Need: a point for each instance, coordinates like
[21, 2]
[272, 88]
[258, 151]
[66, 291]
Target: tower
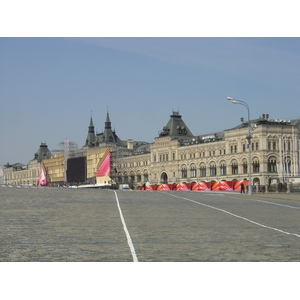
[108, 135]
[90, 139]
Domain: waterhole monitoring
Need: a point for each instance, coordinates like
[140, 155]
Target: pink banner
[42, 180]
[104, 169]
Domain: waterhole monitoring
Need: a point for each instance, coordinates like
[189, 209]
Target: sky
[140, 61]
[49, 87]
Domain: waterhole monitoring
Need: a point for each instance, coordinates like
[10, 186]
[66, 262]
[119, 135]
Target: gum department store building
[177, 156]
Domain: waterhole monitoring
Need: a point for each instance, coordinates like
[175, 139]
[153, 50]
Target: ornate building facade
[18, 173]
[176, 156]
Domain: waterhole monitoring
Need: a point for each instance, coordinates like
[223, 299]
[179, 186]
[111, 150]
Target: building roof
[176, 127]
[266, 121]
[42, 153]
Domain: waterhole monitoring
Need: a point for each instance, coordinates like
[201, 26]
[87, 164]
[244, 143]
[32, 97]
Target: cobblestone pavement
[60, 224]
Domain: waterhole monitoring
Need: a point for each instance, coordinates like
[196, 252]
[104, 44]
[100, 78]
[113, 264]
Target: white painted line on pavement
[129, 241]
[269, 202]
[237, 216]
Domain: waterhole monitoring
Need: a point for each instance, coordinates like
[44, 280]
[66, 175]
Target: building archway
[164, 178]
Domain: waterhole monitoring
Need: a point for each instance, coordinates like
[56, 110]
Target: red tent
[201, 186]
[163, 187]
[182, 187]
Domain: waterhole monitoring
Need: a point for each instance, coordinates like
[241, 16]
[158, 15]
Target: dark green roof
[42, 153]
[176, 127]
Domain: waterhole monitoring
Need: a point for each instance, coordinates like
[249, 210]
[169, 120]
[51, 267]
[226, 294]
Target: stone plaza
[43, 224]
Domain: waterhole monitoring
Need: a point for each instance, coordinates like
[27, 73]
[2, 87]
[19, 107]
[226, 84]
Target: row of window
[223, 170]
[131, 178]
[254, 147]
[286, 145]
[133, 164]
[210, 171]
[272, 168]
[233, 149]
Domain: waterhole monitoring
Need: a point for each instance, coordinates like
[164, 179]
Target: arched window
[125, 177]
[145, 175]
[286, 165]
[234, 167]
[119, 177]
[272, 166]
[138, 176]
[183, 171]
[202, 170]
[193, 171]
[245, 166]
[223, 168]
[132, 177]
[255, 165]
[212, 169]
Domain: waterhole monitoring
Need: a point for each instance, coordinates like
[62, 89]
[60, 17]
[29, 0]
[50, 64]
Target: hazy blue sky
[49, 86]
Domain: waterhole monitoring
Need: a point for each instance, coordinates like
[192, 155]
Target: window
[193, 171]
[202, 171]
[255, 166]
[145, 177]
[223, 169]
[173, 156]
[234, 168]
[245, 167]
[272, 167]
[213, 169]
[286, 165]
[183, 172]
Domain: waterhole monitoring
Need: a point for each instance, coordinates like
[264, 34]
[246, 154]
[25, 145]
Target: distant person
[242, 188]
[144, 186]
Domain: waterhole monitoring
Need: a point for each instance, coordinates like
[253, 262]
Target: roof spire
[91, 134]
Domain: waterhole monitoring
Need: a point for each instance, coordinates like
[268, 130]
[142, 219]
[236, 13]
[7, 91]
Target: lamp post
[248, 137]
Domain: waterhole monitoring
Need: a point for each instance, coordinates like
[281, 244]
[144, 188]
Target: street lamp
[248, 137]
